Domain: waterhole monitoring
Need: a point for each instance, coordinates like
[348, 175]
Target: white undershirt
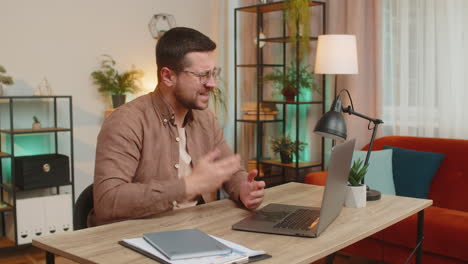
[185, 167]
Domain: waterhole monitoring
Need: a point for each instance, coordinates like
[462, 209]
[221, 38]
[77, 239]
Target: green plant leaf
[357, 172]
[110, 81]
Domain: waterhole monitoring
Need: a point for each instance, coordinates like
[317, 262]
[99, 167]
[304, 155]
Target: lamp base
[373, 195]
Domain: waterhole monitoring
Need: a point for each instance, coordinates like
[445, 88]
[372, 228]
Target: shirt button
[165, 120]
[177, 139]
[176, 166]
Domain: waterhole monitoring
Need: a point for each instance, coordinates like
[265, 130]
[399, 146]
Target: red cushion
[397, 254]
[316, 178]
[445, 232]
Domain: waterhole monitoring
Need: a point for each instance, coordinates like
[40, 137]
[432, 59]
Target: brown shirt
[137, 155]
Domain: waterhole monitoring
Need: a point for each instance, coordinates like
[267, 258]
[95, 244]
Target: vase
[36, 126]
[285, 158]
[118, 100]
[356, 196]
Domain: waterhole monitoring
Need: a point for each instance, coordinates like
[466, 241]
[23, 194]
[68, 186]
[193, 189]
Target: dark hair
[176, 43]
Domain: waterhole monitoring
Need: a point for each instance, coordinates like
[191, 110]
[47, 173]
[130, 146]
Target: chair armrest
[316, 178]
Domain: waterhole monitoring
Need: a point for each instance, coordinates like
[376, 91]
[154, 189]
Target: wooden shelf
[5, 242]
[261, 120]
[271, 7]
[293, 102]
[292, 165]
[31, 131]
[255, 65]
[6, 208]
[4, 155]
[108, 112]
[283, 39]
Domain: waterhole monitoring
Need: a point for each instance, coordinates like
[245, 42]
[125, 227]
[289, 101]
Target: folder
[187, 243]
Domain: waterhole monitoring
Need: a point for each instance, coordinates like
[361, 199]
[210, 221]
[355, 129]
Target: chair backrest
[82, 207]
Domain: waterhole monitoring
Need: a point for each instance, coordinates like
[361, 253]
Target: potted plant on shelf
[4, 79]
[36, 124]
[286, 147]
[356, 190]
[287, 82]
[110, 81]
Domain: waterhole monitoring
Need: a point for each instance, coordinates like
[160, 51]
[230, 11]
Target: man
[164, 150]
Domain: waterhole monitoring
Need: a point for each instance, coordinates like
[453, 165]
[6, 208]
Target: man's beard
[189, 104]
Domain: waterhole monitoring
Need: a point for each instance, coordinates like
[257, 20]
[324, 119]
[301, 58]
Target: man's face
[189, 90]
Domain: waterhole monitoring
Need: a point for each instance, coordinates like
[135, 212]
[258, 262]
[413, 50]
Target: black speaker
[41, 171]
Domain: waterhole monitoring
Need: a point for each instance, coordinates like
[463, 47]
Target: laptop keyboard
[300, 219]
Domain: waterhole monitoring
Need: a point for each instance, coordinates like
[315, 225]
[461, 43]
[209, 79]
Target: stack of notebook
[191, 246]
[267, 111]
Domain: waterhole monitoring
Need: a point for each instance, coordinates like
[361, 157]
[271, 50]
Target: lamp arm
[376, 122]
[351, 111]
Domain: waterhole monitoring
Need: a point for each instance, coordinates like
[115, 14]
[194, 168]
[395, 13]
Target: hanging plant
[298, 19]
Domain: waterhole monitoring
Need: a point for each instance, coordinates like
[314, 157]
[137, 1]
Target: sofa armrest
[316, 178]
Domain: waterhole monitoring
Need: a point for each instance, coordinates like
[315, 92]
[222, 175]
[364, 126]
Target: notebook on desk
[187, 243]
[304, 221]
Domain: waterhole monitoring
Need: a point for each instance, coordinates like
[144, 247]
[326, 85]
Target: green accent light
[25, 145]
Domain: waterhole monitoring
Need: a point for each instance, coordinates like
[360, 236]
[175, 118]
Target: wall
[61, 40]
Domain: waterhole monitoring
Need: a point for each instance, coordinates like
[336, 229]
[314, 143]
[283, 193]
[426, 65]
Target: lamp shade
[336, 54]
[332, 124]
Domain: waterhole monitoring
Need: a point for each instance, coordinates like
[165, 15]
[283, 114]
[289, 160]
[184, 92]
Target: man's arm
[116, 195]
[241, 187]
[232, 186]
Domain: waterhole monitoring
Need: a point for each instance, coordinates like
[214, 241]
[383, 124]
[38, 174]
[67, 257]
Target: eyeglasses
[205, 76]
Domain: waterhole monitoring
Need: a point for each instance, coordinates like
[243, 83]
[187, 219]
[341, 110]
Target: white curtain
[425, 68]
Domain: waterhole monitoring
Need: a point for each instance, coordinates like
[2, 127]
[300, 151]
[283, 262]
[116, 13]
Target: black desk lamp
[337, 54]
[332, 125]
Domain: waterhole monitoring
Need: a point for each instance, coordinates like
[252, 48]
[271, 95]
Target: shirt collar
[165, 111]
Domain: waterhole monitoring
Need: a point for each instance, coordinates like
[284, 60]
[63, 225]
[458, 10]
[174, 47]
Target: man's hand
[210, 173]
[252, 192]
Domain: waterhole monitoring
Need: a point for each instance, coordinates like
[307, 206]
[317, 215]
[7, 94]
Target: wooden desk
[99, 244]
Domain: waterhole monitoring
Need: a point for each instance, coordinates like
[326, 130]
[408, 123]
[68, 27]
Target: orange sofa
[445, 223]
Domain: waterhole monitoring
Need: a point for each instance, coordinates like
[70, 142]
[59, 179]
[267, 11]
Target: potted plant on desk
[110, 81]
[356, 190]
[286, 147]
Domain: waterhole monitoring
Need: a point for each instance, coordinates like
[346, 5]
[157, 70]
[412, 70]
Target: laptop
[283, 219]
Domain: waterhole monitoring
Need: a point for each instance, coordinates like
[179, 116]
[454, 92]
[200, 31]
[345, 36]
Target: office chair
[82, 207]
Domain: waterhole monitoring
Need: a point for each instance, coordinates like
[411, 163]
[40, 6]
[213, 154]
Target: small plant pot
[118, 100]
[289, 95]
[285, 158]
[36, 126]
[356, 196]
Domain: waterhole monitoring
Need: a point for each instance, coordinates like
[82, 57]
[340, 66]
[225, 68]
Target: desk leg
[420, 237]
[329, 259]
[50, 258]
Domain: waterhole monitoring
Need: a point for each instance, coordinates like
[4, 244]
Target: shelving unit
[12, 126]
[262, 129]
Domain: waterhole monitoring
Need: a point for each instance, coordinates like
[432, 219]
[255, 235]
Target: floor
[32, 255]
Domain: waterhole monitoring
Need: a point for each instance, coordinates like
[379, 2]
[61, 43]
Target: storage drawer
[41, 171]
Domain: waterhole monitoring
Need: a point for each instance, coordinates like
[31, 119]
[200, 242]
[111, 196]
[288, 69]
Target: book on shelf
[264, 107]
[239, 254]
[262, 117]
[261, 112]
